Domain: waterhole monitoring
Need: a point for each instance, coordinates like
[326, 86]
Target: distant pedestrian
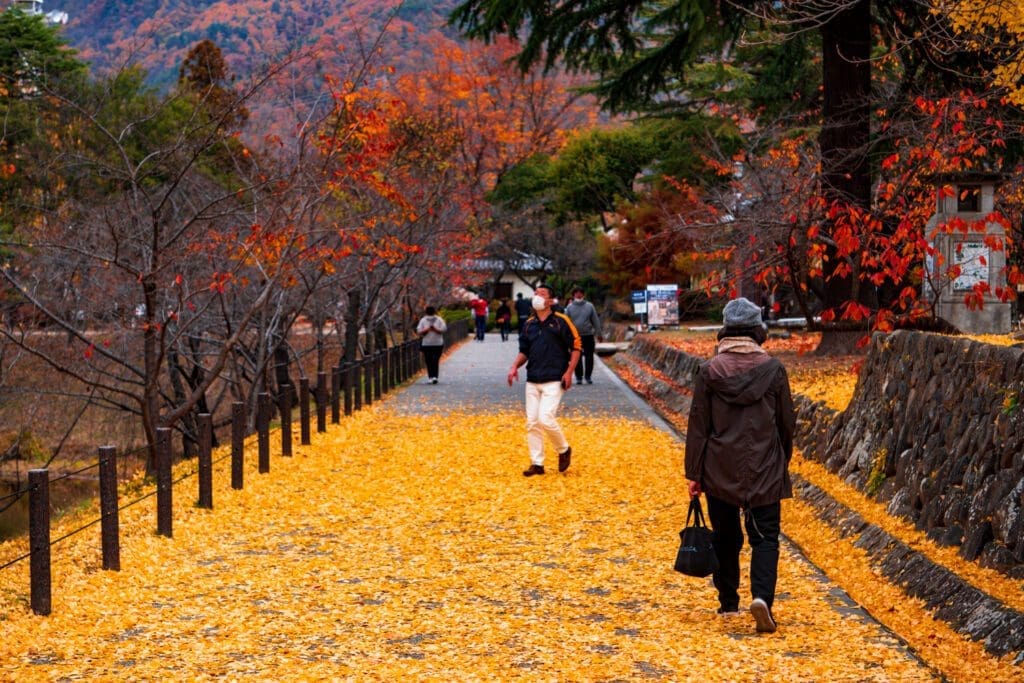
[588, 323]
[479, 307]
[431, 328]
[523, 311]
[503, 317]
[549, 346]
[739, 440]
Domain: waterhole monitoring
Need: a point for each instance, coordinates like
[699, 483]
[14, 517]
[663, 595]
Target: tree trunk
[195, 378]
[846, 132]
[842, 342]
[352, 325]
[189, 428]
[151, 378]
[282, 359]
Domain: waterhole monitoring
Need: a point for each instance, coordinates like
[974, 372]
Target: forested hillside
[158, 33]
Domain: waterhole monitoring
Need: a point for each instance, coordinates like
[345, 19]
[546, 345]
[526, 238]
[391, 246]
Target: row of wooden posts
[352, 386]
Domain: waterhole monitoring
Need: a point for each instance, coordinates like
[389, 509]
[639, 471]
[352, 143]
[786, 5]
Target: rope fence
[349, 387]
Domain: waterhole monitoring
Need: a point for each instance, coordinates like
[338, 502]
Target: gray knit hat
[742, 312]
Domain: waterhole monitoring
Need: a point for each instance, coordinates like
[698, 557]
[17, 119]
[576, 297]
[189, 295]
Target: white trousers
[542, 402]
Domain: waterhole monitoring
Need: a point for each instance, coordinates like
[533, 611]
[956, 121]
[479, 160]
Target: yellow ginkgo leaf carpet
[401, 548]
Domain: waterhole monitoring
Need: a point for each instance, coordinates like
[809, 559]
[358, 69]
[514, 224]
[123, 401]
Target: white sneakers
[762, 615]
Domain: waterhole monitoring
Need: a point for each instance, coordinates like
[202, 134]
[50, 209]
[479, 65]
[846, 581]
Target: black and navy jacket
[547, 345]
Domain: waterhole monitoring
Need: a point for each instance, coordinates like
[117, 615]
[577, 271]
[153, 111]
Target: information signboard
[973, 258]
[662, 304]
[639, 302]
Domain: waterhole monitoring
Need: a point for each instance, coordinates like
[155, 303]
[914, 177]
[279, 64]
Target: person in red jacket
[479, 307]
[739, 440]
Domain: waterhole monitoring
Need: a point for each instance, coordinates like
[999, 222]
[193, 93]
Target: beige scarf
[739, 345]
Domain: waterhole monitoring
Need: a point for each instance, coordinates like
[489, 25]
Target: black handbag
[696, 556]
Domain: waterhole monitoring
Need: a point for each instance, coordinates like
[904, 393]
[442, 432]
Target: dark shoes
[564, 459]
[590, 381]
[563, 464]
[763, 616]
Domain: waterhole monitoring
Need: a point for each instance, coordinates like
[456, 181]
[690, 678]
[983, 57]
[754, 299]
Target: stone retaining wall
[676, 363]
[933, 430]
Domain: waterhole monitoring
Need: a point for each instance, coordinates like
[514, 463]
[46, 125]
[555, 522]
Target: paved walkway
[472, 379]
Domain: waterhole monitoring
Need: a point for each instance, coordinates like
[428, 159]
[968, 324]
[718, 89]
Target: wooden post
[39, 540]
[321, 402]
[164, 498]
[286, 420]
[369, 379]
[237, 444]
[205, 461]
[385, 371]
[403, 352]
[110, 527]
[263, 431]
[304, 410]
[346, 383]
[335, 394]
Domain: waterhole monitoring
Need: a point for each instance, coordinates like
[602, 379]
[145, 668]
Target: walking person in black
[503, 317]
[588, 323]
[431, 328]
[523, 310]
[739, 440]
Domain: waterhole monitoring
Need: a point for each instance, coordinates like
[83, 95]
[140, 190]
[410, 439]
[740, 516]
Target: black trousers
[762, 526]
[432, 359]
[585, 368]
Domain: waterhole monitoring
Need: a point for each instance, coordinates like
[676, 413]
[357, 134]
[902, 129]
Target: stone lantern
[971, 200]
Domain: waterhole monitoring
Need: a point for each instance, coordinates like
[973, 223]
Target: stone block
[997, 556]
[947, 536]
[975, 539]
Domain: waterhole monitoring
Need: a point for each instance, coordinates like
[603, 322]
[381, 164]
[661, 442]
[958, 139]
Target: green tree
[35, 67]
[595, 171]
[638, 49]
[33, 56]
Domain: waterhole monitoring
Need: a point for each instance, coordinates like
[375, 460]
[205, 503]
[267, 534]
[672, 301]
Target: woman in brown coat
[739, 440]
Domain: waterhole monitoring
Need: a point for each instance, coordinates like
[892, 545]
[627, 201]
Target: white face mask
[539, 302]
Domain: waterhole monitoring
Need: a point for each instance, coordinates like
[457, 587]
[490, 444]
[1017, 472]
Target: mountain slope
[158, 33]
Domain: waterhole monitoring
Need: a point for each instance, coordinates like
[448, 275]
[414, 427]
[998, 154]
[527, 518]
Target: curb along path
[404, 544]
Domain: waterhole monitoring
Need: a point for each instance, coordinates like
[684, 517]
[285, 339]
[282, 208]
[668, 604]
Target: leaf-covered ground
[832, 380]
[411, 548]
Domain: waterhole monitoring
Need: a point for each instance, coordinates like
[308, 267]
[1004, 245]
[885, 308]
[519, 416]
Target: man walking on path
[550, 347]
[588, 324]
[739, 440]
